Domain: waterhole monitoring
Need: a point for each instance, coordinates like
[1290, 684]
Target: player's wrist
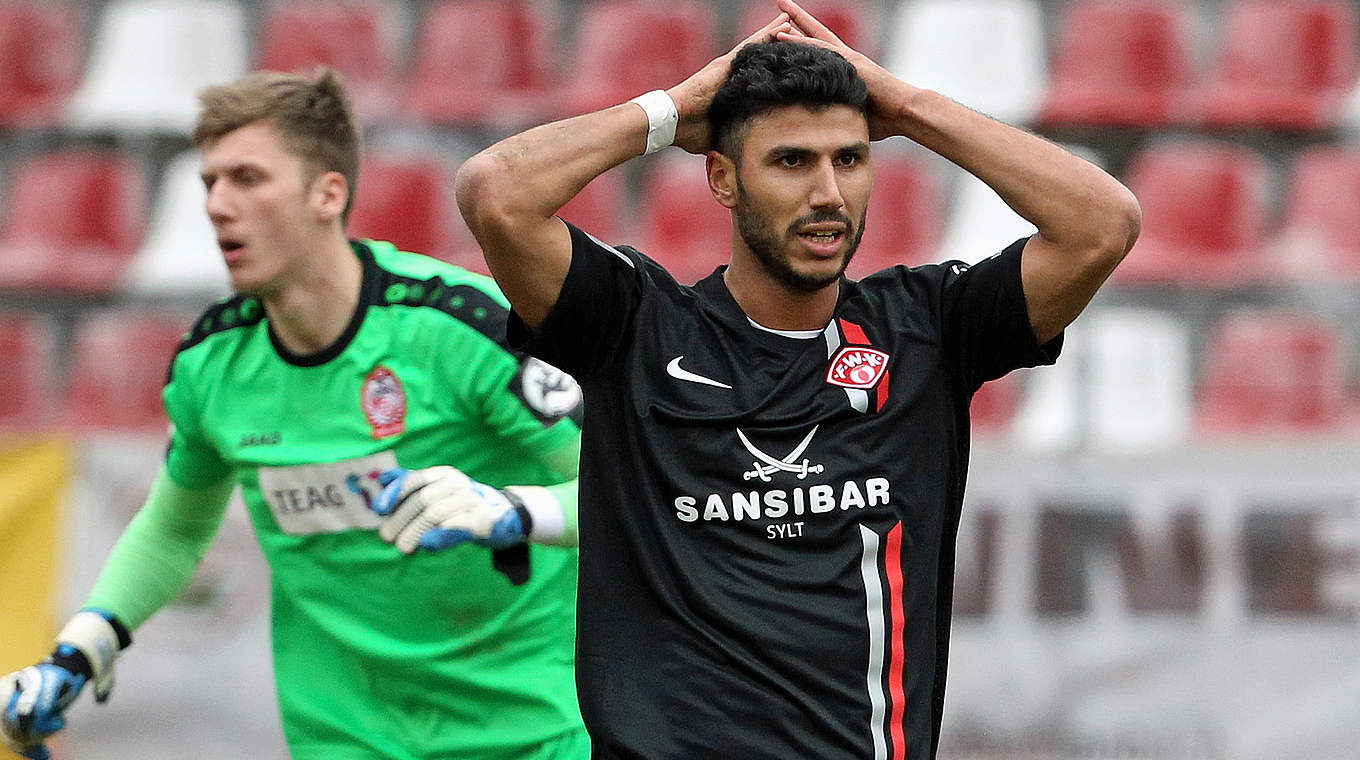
[96, 637]
[540, 511]
[662, 119]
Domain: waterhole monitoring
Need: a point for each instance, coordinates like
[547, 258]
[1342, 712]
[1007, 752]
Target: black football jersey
[767, 519]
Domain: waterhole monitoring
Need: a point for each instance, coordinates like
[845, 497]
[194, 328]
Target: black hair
[767, 75]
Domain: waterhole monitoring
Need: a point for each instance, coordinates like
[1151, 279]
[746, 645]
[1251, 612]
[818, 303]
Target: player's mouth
[823, 239]
[232, 249]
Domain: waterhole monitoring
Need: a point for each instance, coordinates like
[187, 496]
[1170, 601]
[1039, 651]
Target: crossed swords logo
[771, 465]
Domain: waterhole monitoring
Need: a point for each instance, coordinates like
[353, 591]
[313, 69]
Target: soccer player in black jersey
[774, 458]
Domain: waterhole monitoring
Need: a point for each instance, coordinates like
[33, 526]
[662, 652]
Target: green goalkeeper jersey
[436, 655]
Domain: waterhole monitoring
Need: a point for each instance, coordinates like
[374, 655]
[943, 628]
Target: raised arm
[510, 192]
[1087, 221]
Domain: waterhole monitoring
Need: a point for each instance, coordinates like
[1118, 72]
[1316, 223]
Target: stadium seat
[72, 221]
[1283, 64]
[28, 373]
[406, 199]
[1139, 382]
[1268, 372]
[857, 22]
[627, 47]
[906, 212]
[994, 406]
[682, 226]
[118, 367]
[149, 59]
[979, 223]
[1204, 209]
[483, 64]
[179, 259]
[42, 48]
[987, 54]
[356, 38]
[599, 208]
[1120, 64]
[1320, 238]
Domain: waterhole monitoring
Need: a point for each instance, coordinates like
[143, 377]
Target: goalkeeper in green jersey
[365, 402]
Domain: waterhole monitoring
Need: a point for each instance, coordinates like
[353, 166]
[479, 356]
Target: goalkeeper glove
[440, 507]
[34, 698]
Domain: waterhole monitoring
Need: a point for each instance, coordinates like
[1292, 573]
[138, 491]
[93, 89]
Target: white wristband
[549, 521]
[662, 117]
[95, 637]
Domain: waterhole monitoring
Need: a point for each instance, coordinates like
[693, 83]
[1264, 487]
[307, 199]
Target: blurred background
[1160, 554]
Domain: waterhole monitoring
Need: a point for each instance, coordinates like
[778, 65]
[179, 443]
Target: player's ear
[722, 178]
[330, 193]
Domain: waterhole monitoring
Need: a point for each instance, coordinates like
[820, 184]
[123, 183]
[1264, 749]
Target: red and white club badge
[857, 367]
[384, 403]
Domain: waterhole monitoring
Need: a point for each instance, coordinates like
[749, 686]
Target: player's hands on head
[33, 700]
[440, 507]
[805, 28]
[694, 95]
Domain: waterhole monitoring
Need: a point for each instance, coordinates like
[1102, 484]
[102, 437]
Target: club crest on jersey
[857, 367]
[384, 402]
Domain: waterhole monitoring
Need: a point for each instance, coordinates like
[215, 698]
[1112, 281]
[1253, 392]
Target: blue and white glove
[440, 507]
[33, 699]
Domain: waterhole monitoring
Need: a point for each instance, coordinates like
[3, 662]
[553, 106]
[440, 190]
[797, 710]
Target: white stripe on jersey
[873, 603]
[611, 249]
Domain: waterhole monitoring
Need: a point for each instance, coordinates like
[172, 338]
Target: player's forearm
[1073, 203]
[160, 550]
[529, 176]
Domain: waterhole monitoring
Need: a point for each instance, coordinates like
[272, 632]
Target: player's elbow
[484, 198]
[1114, 226]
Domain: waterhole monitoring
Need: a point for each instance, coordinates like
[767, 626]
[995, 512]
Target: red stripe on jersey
[883, 390]
[854, 334]
[892, 565]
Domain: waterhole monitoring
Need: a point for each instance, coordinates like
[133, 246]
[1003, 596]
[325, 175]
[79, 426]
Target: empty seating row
[1138, 380]
[1286, 64]
[1210, 218]
[1263, 372]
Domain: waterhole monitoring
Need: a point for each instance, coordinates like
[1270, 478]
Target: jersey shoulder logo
[548, 391]
[857, 367]
[384, 403]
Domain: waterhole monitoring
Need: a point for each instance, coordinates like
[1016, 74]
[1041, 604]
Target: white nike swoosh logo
[679, 373]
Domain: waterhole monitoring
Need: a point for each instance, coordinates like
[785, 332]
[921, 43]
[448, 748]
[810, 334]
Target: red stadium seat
[72, 221]
[483, 63]
[857, 22]
[1118, 63]
[906, 216]
[354, 38]
[627, 47]
[599, 208]
[1320, 237]
[1203, 214]
[406, 200]
[28, 373]
[1284, 64]
[994, 406]
[42, 47]
[682, 226]
[119, 366]
[1270, 372]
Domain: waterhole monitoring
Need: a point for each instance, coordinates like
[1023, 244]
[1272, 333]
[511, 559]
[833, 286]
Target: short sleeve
[591, 323]
[987, 330]
[191, 459]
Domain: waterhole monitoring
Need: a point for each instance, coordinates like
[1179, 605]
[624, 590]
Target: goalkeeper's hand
[439, 507]
[33, 699]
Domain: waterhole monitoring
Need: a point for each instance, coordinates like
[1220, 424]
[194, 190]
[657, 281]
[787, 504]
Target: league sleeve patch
[547, 391]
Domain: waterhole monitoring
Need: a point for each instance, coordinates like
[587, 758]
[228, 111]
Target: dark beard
[756, 233]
